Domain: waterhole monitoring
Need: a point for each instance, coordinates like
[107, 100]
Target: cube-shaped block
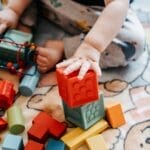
[55, 145]
[77, 92]
[7, 94]
[114, 115]
[3, 124]
[13, 142]
[32, 145]
[86, 115]
[9, 48]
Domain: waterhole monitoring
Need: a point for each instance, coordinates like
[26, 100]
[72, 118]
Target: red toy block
[7, 94]
[77, 92]
[32, 145]
[3, 124]
[38, 132]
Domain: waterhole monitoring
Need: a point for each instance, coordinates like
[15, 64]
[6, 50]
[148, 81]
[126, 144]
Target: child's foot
[49, 55]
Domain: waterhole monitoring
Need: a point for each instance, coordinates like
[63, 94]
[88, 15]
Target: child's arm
[104, 30]
[10, 15]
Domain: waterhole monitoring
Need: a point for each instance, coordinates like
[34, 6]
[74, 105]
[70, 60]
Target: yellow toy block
[96, 143]
[114, 115]
[77, 137]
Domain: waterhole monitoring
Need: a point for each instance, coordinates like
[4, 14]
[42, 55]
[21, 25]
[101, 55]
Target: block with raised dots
[87, 115]
[77, 136]
[114, 115]
[32, 145]
[77, 92]
[12, 142]
[53, 144]
[96, 142]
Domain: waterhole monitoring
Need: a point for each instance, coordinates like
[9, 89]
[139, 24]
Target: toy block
[114, 115]
[38, 133]
[81, 18]
[96, 142]
[87, 115]
[77, 92]
[32, 145]
[77, 136]
[16, 122]
[55, 145]
[7, 94]
[3, 124]
[12, 142]
[29, 81]
[9, 48]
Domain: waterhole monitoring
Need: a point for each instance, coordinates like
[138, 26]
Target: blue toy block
[86, 115]
[29, 82]
[13, 142]
[55, 145]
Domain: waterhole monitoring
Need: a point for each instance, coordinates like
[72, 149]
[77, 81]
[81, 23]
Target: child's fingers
[95, 67]
[3, 27]
[41, 51]
[41, 60]
[66, 63]
[42, 69]
[74, 66]
[84, 68]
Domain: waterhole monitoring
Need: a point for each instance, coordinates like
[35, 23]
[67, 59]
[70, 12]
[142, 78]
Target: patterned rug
[130, 86]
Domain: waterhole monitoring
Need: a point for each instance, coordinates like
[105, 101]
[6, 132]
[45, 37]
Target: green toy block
[86, 115]
[9, 51]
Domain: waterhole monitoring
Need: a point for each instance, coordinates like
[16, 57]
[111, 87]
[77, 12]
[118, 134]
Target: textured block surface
[77, 136]
[12, 142]
[114, 115]
[32, 145]
[77, 92]
[86, 115]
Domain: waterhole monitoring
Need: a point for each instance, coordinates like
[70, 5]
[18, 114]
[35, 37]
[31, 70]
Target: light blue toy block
[86, 115]
[55, 145]
[13, 142]
[29, 82]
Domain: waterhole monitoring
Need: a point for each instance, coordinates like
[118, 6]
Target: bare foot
[49, 55]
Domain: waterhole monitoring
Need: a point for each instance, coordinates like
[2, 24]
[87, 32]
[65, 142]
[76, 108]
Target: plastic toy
[17, 55]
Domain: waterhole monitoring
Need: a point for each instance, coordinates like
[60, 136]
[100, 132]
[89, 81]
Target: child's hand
[86, 57]
[8, 19]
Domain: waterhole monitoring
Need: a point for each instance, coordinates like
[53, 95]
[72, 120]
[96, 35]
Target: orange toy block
[32, 145]
[77, 92]
[114, 115]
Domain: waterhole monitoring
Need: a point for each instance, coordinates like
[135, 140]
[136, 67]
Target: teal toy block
[13, 142]
[86, 115]
[12, 44]
[55, 145]
[29, 82]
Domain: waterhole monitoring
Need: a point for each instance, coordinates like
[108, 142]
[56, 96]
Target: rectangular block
[3, 124]
[12, 142]
[55, 145]
[32, 145]
[114, 115]
[77, 92]
[96, 143]
[87, 115]
[76, 137]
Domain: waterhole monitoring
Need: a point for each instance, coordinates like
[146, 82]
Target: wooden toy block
[7, 94]
[8, 52]
[55, 145]
[87, 115]
[114, 115]
[16, 120]
[38, 132]
[32, 145]
[77, 92]
[96, 143]
[81, 18]
[12, 142]
[3, 124]
[77, 137]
